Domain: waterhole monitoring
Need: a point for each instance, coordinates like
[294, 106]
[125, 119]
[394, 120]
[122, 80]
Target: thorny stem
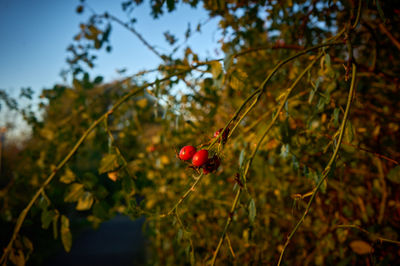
[238, 193]
[329, 165]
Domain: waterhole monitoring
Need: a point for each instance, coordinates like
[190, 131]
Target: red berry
[224, 135]
[200, 158]
[187, 153]
[216, 134]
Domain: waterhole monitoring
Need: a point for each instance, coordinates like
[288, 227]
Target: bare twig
[187, 194]
[389, 35]
[131, 29]
[373, 236]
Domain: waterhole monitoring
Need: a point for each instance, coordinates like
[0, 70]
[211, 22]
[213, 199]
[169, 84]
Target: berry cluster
[200, 158]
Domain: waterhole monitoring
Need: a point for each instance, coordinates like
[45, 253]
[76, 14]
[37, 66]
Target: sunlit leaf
[46, 218]
[66, 236]
[109, 163]
[74, 193]
[252, 211]
[85, 201]
[68, 177]
[361, 247]
[55, 225]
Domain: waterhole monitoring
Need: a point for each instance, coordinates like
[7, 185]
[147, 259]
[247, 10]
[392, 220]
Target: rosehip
[200, 158]
[187, 153]
[224, 135]
[216, 134]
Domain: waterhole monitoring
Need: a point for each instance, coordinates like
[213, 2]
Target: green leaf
[43, 203]
[66, 236]
[241, 158]
[252, 211]
[85, 201]
[179, 235]
[394, 175]
[68, 177]
[98, 79]
[327, 61]
[55, 225]
[336, 117]
[74, 193]
[109, 163]
[46, 218]
[349, 132]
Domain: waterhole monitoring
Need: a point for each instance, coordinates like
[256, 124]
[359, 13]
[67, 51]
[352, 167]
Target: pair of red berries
[200, 159]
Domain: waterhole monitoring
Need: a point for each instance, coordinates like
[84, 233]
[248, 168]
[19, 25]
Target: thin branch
[187, 194]
[278, 111]
[390, 36]
[372, 235]
[329, 165]
[365, 150]
[131, 29]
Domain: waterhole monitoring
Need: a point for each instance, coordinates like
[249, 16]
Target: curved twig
[238, 193]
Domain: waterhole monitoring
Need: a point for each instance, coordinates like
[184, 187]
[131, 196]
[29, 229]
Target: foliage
[309, 171]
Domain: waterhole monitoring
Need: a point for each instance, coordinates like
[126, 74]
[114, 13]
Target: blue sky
[35, 35]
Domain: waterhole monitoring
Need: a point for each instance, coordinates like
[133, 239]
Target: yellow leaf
[85, 201]
[75, 191]
[216, 69]
[113, 175]
[66, 236]
[361, 247]
[68, 177]
[142, 103]
[235, 83]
